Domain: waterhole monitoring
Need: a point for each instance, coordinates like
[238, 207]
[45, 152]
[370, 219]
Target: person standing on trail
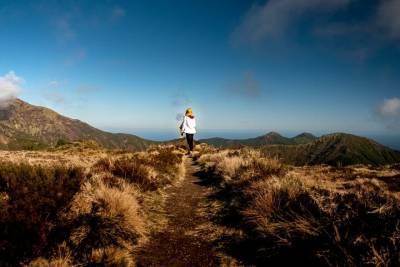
[188, 127]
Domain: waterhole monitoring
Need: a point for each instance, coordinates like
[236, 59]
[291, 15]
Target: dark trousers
[189, 139]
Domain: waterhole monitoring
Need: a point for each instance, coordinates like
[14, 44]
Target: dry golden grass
[316, 215]
[108, 215]
[112, 256]
[63, 258]
[56, 262]
[243, 164]
[106, 222]
[76, 154]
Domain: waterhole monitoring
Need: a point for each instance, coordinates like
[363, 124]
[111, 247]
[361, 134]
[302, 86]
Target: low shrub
[32, 197]
[165, 160]
[149, 171]
[136, 171]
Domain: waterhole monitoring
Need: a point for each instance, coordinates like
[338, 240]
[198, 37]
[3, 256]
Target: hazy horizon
[392, 141]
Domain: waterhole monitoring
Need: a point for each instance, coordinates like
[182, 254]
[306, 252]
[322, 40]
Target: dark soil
[180, 244]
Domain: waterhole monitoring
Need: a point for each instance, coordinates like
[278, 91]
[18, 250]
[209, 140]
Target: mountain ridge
[271, 138]
[25, 126]
[338, 149]
[306, 149]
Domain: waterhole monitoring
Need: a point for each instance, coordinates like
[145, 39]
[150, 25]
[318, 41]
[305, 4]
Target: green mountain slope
[271, 138]
[24, 126]
[304, 138]
[335, 149]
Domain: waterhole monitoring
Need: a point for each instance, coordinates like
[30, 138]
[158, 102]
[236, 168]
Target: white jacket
[188, 125]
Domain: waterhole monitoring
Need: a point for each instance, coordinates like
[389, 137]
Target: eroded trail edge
[185, 240]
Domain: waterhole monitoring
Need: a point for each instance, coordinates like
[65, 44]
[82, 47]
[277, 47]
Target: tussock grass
[314, 216]
[63, 258]
[136, 171]
[152, 170]
[112, 256]
[242, 165]
[56, 262]
[87, 210]
[102, 216]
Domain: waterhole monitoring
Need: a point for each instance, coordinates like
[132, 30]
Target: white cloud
[389, 113]
[248, 86]
[10, 87]
[388, 17]
[275, 16]
[390, 107]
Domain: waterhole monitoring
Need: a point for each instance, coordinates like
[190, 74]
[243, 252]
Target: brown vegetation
[97, 207]
[312, 215]
[31, 197]
[90, 212]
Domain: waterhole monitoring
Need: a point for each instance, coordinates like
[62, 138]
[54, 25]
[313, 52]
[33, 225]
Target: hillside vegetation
[60, 210]
[335, 149]
[338, 149]
[307, 216]
[271, 138]
[83, 205]
[24, 126]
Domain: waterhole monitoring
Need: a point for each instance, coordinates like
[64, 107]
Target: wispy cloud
[53, 84]
[87, 88]
[118, 12]
[76, 57]
[247, 86]
[55, 97]
[388, 17]
[339, 29]
[179, 116]
[52, 92]
[180, 98]
[69, 19]
[384, 21]
[64, 28]
[389, 112]
[274, 17]
[390, 107]
[10, 88]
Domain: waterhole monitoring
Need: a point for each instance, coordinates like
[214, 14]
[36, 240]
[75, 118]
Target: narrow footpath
[181, 243]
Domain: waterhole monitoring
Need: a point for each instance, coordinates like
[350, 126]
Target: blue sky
[244, 66]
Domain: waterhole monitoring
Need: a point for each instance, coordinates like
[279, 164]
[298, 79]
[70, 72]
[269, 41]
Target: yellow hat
[189, 112]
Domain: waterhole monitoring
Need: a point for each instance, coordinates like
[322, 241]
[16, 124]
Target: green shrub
[62, 142]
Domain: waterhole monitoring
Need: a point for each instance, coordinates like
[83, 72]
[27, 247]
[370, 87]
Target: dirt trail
[181, 243]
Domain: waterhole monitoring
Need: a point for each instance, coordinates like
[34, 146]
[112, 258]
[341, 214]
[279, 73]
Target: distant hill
[271, 138]
[335, 149]
[24, 126]
[304, 138]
